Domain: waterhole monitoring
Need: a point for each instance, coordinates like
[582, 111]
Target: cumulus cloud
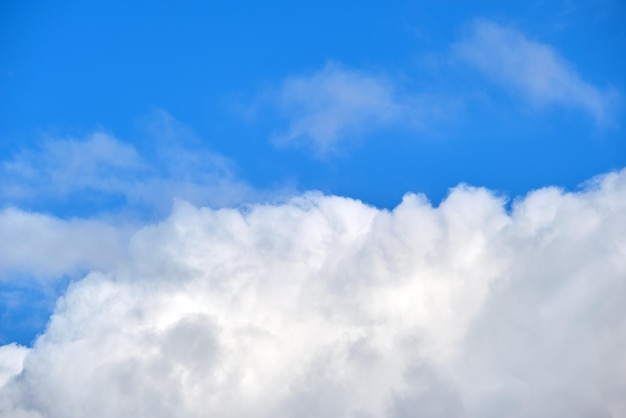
[324, 306]
[532, 69]
[102, 171]
[336, 104]
[11, 360]
[40, 254]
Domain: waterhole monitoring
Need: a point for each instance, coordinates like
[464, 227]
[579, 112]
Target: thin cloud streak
[533, 70]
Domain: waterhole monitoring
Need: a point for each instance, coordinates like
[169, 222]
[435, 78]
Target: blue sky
[112, 111]
[71, 69]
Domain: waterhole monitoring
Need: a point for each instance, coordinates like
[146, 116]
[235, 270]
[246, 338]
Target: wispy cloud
[337, 104]
[101, 168]
[60, 167]
[323, 306]
[533, 70]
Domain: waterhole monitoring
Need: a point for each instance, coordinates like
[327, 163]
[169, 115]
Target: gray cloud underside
[325, 307]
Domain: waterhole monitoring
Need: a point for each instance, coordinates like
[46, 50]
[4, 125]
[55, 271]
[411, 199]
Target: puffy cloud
[532, 69]
[324, 306]
[11, 359]
[336, 104]
[39, 254]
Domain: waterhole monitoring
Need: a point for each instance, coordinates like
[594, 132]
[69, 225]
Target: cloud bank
[532, 69]
[324, 306]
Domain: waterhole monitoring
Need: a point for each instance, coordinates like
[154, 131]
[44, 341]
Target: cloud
[97, 191]
[99, 162]
[11, 360]
[105, 172]
[337, 104]
[324, 306]
[532, 69]
[45, 247]
[40, 254]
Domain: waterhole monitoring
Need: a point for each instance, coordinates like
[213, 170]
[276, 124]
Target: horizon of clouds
[324, 306]
[533, 70]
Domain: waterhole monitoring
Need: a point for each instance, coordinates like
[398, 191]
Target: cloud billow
[324, 306]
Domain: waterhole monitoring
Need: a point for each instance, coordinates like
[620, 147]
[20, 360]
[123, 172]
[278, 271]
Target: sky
[349, 209]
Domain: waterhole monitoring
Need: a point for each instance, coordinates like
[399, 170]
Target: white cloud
[336, 104]
[11, 361]
[100, 168]
[99, 162]
[532, 69]
[46, 247]
[324, 306]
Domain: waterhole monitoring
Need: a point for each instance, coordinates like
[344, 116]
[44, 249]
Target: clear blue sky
[223, 103]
